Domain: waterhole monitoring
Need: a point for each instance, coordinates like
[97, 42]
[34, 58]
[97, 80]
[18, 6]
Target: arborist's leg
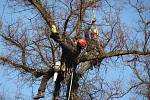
[57, 86]
[43, 84]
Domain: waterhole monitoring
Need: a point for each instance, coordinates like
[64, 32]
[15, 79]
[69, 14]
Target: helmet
[82, 43]
[54, 29]
[95, 31]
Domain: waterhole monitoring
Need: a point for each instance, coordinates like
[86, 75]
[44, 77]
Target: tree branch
[88, 57]
[28, 69]
[125, 52]
[11, 40]
[47, 16]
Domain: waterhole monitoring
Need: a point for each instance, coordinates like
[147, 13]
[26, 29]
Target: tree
[31, 49]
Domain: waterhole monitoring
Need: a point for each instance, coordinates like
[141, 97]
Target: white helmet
[57, 65]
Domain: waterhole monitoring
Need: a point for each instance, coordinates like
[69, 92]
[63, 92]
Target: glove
[54, 30]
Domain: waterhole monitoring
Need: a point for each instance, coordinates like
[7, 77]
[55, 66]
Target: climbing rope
[92, 2]
[93, 13]
[70, 85]
[95, 30]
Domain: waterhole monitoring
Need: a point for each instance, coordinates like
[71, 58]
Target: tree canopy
[28, 48]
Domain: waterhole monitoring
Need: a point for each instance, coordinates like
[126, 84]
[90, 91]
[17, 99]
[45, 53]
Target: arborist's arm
[57, 37]
[68, 47]
[87, 29]
[55, 34]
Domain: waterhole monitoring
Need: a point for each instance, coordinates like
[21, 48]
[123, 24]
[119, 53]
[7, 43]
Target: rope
[93, 6]
[70, 85]
[93, 13]
[94, 16]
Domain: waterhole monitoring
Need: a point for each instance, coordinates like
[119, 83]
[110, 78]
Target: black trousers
[46, 78]
[57, 84]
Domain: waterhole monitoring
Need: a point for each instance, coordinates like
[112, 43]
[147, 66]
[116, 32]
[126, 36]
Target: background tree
[30, 51]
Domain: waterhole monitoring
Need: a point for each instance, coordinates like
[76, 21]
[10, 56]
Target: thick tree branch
[67, 21]
[80, 16]
[24, 56]
[88, 57]
[125, 52]
[47, 16]
[28, 69]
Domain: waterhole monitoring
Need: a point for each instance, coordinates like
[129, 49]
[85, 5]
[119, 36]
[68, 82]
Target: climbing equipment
[56, 69]
[70, 85]
[63, 67]
[93, 5]
[94, 30]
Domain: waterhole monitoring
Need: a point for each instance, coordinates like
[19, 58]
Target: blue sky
[9, 84]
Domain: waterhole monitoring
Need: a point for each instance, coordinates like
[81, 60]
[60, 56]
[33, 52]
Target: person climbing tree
[69, 51]
[93, 42]
[69, 54]
[94, 45]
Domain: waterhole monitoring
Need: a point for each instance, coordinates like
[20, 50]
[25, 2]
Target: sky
[10, 85]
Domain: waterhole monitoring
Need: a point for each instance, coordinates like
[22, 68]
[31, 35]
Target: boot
[39, 95]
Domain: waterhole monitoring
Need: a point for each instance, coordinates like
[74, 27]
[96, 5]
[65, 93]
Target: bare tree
[31, 49]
